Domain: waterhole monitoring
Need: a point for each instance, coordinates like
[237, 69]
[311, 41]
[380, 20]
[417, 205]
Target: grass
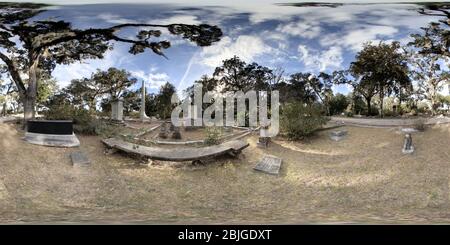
[364, 178]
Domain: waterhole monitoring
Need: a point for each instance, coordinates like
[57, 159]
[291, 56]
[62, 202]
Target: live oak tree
[435, 38]
[361, 85]
[429, 71]
[30, 48]
[297, 88]
[236, 75]
[164, 100]
[113, 82]
[382, 66]
[322, 87]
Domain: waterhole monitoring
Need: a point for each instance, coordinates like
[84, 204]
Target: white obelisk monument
[142, 112]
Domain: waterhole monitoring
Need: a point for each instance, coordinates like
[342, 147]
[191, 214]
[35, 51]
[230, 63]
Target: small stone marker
[263, 142]
[163, 131]
[269, 164]
[408, 148]
[79, 159]
[338, 135]
[176, 134]
[264, 139]
[409, 130]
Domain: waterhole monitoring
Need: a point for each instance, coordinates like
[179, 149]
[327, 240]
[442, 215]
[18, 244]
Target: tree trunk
[369, 106]
[433, 105]
[29, 103]
[381, 103]
[29, 99]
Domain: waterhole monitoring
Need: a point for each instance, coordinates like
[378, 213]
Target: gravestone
[409, 130]
[58, 133]
[263, 142]
[264, 139]
[269, 164]
[171, 127]
[408, 147]
[79, 159]
[163, 131]
[189, 124]
[117, 110]
[338, 135]
[176, 133]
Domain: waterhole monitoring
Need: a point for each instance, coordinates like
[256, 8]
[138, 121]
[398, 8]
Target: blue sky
[298, 39]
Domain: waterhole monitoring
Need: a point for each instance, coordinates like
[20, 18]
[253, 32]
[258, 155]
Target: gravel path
[386, 122]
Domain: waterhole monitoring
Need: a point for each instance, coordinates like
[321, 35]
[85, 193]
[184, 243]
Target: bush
[299, 121]
[133, 114]
[84, 122]
[212, 136]
[419, 124]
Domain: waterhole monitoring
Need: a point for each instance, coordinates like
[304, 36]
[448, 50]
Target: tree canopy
[34, 47]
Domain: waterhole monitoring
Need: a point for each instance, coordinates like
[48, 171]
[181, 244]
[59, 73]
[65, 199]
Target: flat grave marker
[338, 135]
[79, 159]
[269, 164]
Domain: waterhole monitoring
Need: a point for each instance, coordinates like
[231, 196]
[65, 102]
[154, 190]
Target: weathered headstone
[163, 131]
[264, 139]
[79, 159]
[176, 134]
[263, 142]
[117, 110]
[269, 164]
[338, 135]
[171, 127]
[408, 147]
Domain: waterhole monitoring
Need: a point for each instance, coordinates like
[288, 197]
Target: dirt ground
[362, 179]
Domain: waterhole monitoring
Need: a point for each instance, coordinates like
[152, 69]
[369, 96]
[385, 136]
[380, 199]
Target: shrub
[299, 121]
[133, 114]
[419, 124]
[84, 122]
[106, 130]
[212, 135]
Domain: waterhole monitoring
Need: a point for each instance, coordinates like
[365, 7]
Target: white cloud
[313, 59]
[152, 80]
[355, 36]
[179, 19]
[65, 73]
[245, 46]
[114, 18]
[300, 29]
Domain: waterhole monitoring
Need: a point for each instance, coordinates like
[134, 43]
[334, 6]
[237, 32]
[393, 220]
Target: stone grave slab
[79, 159]
[338, 135]
[269, 164]
[409, 130]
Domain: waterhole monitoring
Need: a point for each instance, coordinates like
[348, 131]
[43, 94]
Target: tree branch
[14, 72]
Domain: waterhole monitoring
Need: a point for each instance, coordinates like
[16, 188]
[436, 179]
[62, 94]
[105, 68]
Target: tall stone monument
[143, 116]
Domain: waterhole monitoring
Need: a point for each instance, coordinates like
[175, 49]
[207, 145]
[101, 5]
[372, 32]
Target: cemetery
[103, 146]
